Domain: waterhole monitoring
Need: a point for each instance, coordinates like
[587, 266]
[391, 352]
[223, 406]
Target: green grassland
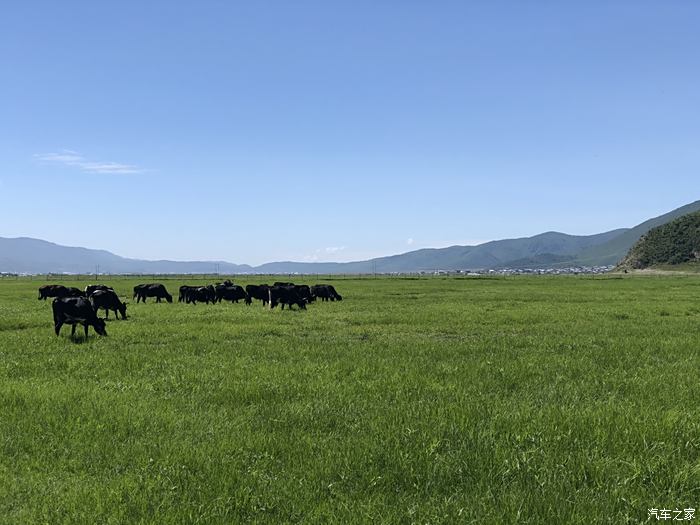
[440, 400]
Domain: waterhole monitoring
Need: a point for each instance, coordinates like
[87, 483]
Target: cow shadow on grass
[80, 339]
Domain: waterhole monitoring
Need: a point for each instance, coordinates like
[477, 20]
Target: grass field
[528, 400]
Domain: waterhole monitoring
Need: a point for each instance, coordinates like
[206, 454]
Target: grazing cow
[92, 288]
[258, 291]
[334, 295]
[58, 290]
[108, 300]
[52, 290]
[305, 292]
[74, 311]
[157, 290]
[231, 293]
[326, 292]
[184, 292]
[302, 289]
[203, 294]
[288, 295]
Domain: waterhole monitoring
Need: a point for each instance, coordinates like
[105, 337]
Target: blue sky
[262, 131]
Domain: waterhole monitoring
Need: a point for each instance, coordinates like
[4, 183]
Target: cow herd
[74, 306]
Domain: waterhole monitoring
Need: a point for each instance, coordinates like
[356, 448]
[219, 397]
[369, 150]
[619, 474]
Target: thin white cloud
[74, 159]
[409, 241]
[320, 254]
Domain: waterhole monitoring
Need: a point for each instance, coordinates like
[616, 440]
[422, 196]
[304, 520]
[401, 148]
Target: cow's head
[122, 310]
[169, 298]
[100, 326]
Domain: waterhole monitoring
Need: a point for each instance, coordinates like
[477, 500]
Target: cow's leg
[107, 314]
[72, 330]
[85, 325]
[57, 327]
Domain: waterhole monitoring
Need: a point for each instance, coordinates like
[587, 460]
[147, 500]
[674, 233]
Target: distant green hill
[674, 243]
[614, 250]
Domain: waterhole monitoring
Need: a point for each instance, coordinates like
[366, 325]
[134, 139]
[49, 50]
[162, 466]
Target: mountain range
[546, 250]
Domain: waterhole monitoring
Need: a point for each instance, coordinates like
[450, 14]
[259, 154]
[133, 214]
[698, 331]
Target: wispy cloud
[72, 158]
[321, 253]
[409, 241]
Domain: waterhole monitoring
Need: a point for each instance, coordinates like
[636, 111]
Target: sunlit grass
[537, 400]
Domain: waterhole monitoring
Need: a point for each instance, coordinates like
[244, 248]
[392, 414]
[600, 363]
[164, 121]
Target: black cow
[108, 300]
[58, 290]
[92, 288]
[232, 293]
[258, 291]
[303, 289]
[203, 294]
[288, 295]
[73, 311]
[326, 292]
[184, 292]
[52, 290]
[157, 290]
[305, 292]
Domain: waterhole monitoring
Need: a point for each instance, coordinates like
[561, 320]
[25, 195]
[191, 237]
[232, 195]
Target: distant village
[574, 270]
